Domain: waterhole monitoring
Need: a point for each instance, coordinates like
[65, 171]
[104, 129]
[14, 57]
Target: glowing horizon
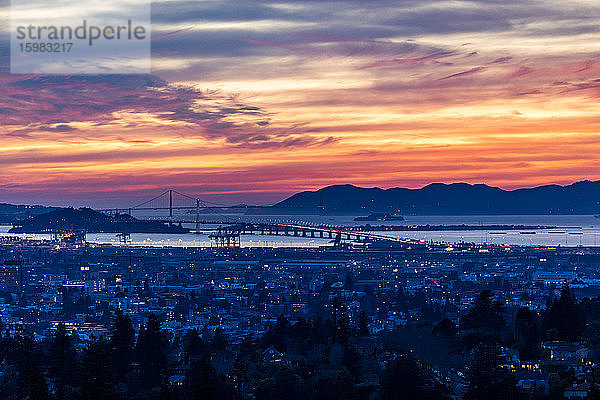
[254, 102]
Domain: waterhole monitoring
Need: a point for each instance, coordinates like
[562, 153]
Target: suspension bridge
[180, 209]
[169, 200]
[179, 206]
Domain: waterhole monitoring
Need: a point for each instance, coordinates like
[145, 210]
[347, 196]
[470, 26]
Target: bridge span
[228, 233]
[228, 236]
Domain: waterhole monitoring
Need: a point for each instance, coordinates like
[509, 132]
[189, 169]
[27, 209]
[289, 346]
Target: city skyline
[252, 103]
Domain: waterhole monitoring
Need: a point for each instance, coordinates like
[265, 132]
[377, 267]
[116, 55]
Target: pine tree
[487, 381]
[193, 346]
[63, 362]
[527, 334]
[97, 373]
[150, 353]
[203, 381]
[486, 316]
[404, 379]
[38, 390]
[565, 317]
[122, 340]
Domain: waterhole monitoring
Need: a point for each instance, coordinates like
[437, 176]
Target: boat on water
[380, 217]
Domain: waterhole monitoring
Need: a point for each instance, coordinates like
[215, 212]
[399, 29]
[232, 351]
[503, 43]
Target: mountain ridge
[581, 197]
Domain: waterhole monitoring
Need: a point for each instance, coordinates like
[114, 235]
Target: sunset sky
[254, 100]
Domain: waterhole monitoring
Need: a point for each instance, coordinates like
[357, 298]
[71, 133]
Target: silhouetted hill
[454, 199]
[10, 213]
[92, 222]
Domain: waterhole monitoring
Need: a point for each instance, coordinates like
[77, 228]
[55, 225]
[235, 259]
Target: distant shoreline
[462, 227]
[278, 211]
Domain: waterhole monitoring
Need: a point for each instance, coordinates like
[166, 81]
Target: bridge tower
[197, 216]
[171, 205]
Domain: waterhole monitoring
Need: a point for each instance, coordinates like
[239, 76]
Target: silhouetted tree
[150, 352]
[403, 379]
[97, 374]
[122, 341]
[564, 319]
[527, 334]
[277, 335]
[485, 316]
[63, 362]
[193, 345]
[37, 388]
[204, 382]
[487, 381]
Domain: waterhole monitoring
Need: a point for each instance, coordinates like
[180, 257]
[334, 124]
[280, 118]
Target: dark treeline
[321, 358]
[307, 359]
[486, 333]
